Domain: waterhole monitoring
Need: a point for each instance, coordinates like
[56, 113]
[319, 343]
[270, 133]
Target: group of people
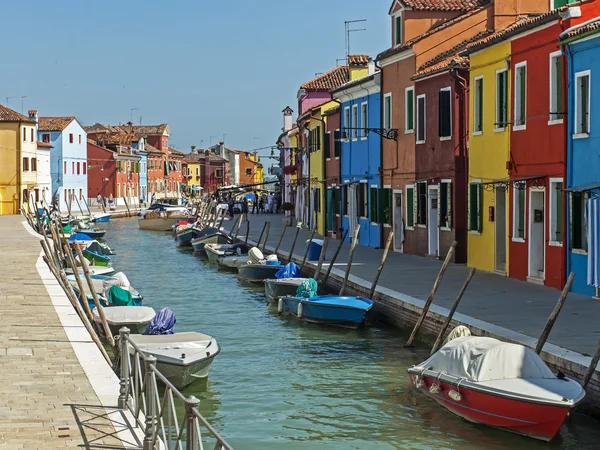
[268, 203]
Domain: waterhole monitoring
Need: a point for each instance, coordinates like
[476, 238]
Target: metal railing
[156, 414]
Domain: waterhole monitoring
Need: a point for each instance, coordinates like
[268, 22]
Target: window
[197, 171]
[373, 206]
[71, 138]
[248, 171]
[32, 140]
[582, 103]
[361, 200]
[421, 202]
[72, 167]
[219, 173]
[556, 86]
[78, 169]
[80, 139]
[65, 168]
[24, 134]
[327, 145]
[519, 212]
[409, 114]
[475, 207]
[80, 194]
[556, 210]
[578, 237]
[346, 122]
[84, 168]
[25, 164]
[478, 106]
[410, 207]
[387, 111]
[46, 138]
[445, 113]
[445, 207]
[337, 199]
[118, 190]
[520, 96]
[34, 164]
[420, 119]
[398, 30]
[501, 99]
[337, 143]
[364, 120]
[354, 133]
[385, 206]
[65, 192]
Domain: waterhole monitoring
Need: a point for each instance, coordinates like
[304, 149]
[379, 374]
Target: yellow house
[489, 150]
[193, 161]
[17, 133]
[258, 170]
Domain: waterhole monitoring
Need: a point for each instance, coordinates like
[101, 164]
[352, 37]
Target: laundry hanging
[592, 219]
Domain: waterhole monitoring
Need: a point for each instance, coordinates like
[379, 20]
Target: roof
[152, 150]
[100, 128]
[358, 60]
[578, 31]
[44, 144]
[150, 129]
[175, 152]
[331, 111]
[329, 80]
[356, 82]
[444, 5]
[54, 123]
[8, 115]
[257, 163]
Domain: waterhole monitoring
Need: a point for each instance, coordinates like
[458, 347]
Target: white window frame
[406, 226]
[551, 77]
[387, 120]
[578, 75]
[516, 92]
[406, 91]
[424, 118]
[346, 123]
[496, 118]
[515, 221]
[447, 138]
[364, 119]
[354, 131]
[475, 107]
[552, 211]
[395, 16]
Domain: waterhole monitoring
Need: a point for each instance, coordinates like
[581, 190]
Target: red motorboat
[503, 385]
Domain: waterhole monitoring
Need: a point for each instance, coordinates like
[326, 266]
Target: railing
[157, 415]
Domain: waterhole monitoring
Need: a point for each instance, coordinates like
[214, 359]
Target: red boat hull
[531, 419]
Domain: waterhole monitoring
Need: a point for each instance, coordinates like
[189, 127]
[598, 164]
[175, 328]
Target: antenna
[131, 113]
[348, 29]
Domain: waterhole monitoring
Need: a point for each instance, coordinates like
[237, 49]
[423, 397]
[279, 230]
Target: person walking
[255, 203]
[230, 204]
[99, 201]
[261, 203]
[270, 202]
[245, 209]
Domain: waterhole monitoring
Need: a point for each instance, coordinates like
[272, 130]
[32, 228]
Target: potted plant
[289, 212]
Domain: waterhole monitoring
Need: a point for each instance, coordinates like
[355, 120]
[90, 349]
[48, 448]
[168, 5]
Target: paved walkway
[46, 399]
[506, 302]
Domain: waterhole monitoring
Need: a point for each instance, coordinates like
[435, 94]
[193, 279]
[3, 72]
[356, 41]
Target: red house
[113, 170]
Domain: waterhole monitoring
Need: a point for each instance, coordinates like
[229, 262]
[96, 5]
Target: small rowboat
[93, 233]
[105, 217]
[218, 237]
[281, 287]
[257, 273]
[184, 237]
[215, 252]
[136, 318]
[328, 309]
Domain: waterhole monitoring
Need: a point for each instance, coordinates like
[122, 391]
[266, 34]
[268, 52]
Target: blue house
[360, 157]
[582, 47]
[139, 150]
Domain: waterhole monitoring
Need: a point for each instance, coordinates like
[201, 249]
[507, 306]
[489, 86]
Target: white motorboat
[136, 318]
[281, 287]
[234, 262]
[181, 357]
[94, 270]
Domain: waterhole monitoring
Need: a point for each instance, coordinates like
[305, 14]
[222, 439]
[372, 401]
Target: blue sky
[206, 67]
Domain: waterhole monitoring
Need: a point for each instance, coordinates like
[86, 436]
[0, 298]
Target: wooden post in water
[436, 285]
[127, 206]
[247, 231]
[222, 219]
[291, 255]
[590, 371]
[381, 264]
[79, 205]
[280, 239]
[77, 275]
[56, 242]
[335, 255]
[266, 236]
[350, 257]
[239, 225]
[261, 234]
[550, 323]
[233, 224]
[69, 204]
[440, 335]
[322, 257]
[312, 235]
[86, 272]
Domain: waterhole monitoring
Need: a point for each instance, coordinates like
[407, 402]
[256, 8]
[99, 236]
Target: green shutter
[410, 207]
[474, 207]
[329, 209]
[410, 110]
[384, 210]
[327, 144]
[373, 206]
[398, 30]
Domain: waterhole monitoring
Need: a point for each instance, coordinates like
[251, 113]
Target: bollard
[124, 370]
[149, 366]
[191, 440]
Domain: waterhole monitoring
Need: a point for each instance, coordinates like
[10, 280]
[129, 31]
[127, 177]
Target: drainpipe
[380, 168]
[19, 158]
[569, 146]
[464, 130]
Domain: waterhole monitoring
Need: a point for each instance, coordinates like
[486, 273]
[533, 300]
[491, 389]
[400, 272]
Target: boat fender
[300, 310]
[280, 305]
[454, 395]
[419, 382]
[434, 388]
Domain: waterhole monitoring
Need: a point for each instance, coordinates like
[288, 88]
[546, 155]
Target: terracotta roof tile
[54, 123]
[100, 128]
[148, 129]
[583, 29]
[444, 5]
[8, 115]
[358, 60]
[329, 80]
[151, 150]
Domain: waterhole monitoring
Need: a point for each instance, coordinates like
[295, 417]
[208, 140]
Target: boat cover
[119, 315]
[182, 222]
[79, 237]
[486, 359]
[118, 279]
[98, 248]
[119, 297]
[290, 270]
[307, 289]
[162, 323]
[256, 256]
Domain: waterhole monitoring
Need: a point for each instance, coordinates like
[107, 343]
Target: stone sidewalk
[46, 398]
[505, 302]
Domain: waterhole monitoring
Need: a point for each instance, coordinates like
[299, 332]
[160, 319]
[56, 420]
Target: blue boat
[96, 234]
[97, 280]
[328, 309]
[79, 238]
[105, 217]
[185, 236]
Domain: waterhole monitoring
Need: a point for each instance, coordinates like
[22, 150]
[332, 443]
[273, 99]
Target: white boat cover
[118, 279]
[256, 256]
[118, 315]
[486, 359]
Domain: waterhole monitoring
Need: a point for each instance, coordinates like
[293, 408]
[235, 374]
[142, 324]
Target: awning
[584, 187]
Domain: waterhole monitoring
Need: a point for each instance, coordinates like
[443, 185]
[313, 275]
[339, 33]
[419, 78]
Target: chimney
[371, 66]
[287, 118]
[33, 114]
[221, 148]
[194, 150]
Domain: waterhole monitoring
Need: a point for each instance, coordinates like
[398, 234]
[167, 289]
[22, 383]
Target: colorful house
[18, 145]
[68, 160]
[288, 146]
[139, 148]
[361, 156]
[333, 152]
[43, 190]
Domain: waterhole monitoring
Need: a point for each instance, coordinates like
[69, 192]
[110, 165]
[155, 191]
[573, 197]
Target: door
[537, 225]
[500, 229]
[432, 222]
[352, 210]
[398, 222]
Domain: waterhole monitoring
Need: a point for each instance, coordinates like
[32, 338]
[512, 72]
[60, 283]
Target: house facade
[68, 160]
[44, 179]
[332, 146]
[287, 145]
[102, 171]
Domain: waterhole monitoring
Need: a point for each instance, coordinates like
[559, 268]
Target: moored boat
[101, 217]
[217, 251]
[136, 318]
[233, 262]
[97, 233]
[257, 273]
[328, 309]
[495, 383]
[96, 259]
[94, 270]
[281, 287]
[217, 237]
[185, 235]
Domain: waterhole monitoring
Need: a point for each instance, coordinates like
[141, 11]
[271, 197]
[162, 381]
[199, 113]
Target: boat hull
[182, 376]
[539, 421]
[218, 238]
[275, 288]
[95, 234]
[102, 218]
[311, 311]
[233, 262]
[96, 259]
[257, 273]
[156, 224]
[184, 237]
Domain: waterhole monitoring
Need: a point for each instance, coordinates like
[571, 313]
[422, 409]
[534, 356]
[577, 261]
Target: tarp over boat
[162, 323]
[79, 237]
[118, 279]
[486, 359]
[290, 270]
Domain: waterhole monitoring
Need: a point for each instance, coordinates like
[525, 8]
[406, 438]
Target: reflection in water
[281, 383]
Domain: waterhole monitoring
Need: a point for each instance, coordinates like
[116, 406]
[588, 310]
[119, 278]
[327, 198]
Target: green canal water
[279, 383]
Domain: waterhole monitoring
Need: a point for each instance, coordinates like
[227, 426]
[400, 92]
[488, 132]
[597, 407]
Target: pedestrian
[261, 203]
[245, 209]
[99, 201]
[230, 205]
[255, 203]
[270, 202]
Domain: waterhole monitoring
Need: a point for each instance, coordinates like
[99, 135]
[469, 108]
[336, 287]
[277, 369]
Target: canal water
[279, 383]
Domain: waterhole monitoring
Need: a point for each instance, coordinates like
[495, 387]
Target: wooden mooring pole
[266, 236]
[350, 257]
[77, 275]
[127, 206]
[280, 239]
[321, 258]
[233, 224]
[440, 335]
[261, 234]
[381, 264]
[550, 323]
[291, 255]
[590, 371]
[239, 225]
[312, 235]
[335, 255]
[436, 285]
[247, 231]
